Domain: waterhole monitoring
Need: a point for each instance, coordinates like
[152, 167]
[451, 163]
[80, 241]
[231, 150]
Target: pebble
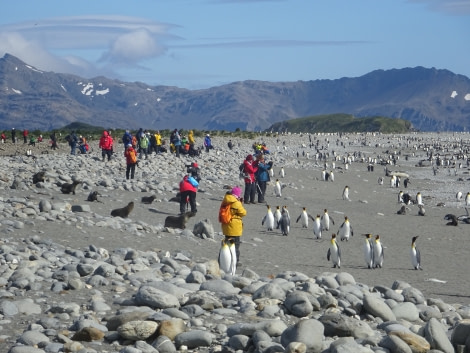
[58, 299]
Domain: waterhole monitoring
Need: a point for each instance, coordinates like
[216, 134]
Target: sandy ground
[372, 209]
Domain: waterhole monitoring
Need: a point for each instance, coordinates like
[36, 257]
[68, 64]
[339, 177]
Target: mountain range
[431, 99]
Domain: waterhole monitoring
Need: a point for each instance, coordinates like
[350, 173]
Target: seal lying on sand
[69, 188]
[452, 218]
[123, 212]
[148, 199]
[178, 221]
[93, 196]
[39, 177]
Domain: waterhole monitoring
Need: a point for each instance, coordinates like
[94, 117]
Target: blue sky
[204, 43]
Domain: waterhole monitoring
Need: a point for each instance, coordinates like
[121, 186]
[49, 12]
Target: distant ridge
[431, 99]
[342, 123]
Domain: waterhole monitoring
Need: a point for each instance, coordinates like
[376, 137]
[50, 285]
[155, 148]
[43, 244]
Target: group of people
[256, 176]
[31, 142]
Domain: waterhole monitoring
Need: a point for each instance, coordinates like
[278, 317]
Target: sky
[197, 44]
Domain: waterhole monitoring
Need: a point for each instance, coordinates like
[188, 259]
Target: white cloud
[54, 44]
[134, 46]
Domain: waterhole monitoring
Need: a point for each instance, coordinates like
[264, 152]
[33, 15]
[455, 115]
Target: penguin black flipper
[352, 232]
[332, 220]
[313, 219]
[298, 218]
[328, 254]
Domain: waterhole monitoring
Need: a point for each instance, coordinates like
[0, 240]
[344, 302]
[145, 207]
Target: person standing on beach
[158, 142]
[127, 138]
[250, 182]
[106, 145]
[262, 176]
[234, 229]
[175, 139]
[208, 143]
[73, 140]
[188, 190]
[25, 136]
[131, 161]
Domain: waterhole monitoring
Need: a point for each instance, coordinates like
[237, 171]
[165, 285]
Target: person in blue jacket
[262, 176]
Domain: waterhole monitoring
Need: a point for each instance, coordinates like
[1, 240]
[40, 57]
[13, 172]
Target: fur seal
[69, 188]
[93, 196]
[148, 199]
[452, 218]
[39, 177]
[123, 212]
[402, 210]
[178, 221]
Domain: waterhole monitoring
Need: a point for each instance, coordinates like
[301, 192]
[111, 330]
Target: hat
[208, 135]
[195, 165]
[236, 191]
[249, 157]
[129, 145]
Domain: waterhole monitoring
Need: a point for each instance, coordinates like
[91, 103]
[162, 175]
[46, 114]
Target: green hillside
[342, 123]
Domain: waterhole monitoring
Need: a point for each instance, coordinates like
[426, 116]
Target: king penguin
[334, 252]
[281, 172]
[346, 193]
[268, 219]
[393, 181]
[421, 210]
[304, 216]
[368, 252]
[284, 222]
[345, 230]
[419, 198]
[317, 227]
[400, 197]
[323, 175]
[325, 220]
[467, 199]
[415, 255]
[332, 176]
[271, 172]
[459, 195]
[228, 257]
[277, 188]
[277, 216]
[378, 253]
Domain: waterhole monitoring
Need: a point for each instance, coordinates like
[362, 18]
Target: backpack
[132, 156]
[241, 168]
[225, 213]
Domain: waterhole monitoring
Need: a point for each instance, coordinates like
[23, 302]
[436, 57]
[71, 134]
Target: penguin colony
[373, 249]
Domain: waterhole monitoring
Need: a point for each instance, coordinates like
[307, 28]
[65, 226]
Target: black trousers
[261, 189]
[188, 195]
[130, 170]
[250, 192]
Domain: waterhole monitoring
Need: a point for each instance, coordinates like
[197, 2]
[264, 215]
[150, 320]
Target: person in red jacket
[106, 145]
[188, 193]
[250, 183]
[25, 136]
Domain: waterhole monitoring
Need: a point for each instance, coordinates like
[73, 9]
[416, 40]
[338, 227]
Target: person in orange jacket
[131, 160]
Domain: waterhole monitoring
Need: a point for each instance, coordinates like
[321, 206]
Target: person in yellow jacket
[234, 229]
[191, 140]
[158, 142]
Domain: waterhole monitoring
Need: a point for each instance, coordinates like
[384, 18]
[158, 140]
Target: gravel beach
[40, 224]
